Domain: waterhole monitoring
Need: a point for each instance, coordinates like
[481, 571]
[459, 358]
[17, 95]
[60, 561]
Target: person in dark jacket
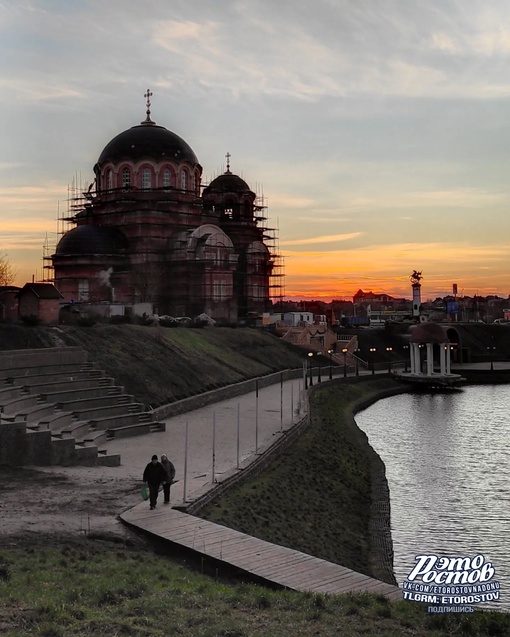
[168, 466]
[153, 475]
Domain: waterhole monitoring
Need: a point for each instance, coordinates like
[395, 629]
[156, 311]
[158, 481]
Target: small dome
[429, 332]
[89, 239]
[227, 183]
[147, 141]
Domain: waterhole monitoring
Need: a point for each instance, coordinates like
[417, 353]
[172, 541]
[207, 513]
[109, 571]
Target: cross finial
[148, 96]
[228, 156]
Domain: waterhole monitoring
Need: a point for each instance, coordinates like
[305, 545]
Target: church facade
[148, 232]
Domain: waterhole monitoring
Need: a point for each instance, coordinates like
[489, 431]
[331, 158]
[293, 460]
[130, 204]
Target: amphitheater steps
[76, 373]
[66, 406]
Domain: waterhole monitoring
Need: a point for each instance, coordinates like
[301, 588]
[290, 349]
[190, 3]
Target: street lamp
[311, 368]
[389, 350]
[491, 349]
[319, 362]
[355, 352]
[330, 352]
[373, 351]
[405, 348]
[344, 352]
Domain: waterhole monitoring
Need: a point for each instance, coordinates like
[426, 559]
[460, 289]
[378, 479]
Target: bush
[119, 319]
[144, 319]
[87, 320]
[169, 322]
[199, 323]
[31, 320]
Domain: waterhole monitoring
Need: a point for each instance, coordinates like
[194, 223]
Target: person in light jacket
[170, 475]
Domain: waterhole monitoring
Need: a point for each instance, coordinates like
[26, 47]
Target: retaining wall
[231, 391]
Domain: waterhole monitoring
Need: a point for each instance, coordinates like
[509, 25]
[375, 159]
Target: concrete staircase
[57, 408]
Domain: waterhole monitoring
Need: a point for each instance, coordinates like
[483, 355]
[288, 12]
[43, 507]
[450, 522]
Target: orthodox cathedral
[148, 232]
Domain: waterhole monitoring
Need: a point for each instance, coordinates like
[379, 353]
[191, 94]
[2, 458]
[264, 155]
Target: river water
[447, 458]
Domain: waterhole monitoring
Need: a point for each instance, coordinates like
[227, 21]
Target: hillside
[160, 365]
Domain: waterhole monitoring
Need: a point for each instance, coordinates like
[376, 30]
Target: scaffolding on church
[78, 198]
[64, 223]
[272, 240]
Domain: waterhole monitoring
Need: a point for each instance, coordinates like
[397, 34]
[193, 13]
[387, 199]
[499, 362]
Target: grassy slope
[160, 365]
[315, 497]
[89, 588]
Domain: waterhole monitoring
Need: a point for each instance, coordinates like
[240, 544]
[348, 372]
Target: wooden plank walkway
[277, 564]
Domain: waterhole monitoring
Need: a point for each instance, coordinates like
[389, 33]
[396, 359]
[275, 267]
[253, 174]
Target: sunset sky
[378, 130]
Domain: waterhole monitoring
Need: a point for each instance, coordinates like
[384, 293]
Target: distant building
[9, 302]
[379, 308]
[40, 300]
[292, 319]
[371, 297]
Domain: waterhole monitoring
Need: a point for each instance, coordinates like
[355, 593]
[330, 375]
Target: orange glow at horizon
[339, 274]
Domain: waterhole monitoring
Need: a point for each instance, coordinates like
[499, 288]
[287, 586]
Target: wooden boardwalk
[276, 564]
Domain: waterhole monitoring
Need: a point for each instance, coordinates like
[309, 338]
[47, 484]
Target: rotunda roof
[147, 141]
[88, 239]
[429, 332]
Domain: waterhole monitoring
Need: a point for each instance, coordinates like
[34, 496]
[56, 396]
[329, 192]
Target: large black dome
[227, 183]
[91, 240]
[147, 141]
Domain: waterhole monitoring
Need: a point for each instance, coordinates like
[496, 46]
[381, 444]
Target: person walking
[170, 475]
[153, 475]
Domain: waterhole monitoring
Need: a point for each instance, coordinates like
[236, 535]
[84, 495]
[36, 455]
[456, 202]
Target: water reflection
[448, 468]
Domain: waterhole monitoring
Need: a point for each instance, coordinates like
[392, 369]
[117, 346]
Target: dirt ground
[39, 503]
[80, 501]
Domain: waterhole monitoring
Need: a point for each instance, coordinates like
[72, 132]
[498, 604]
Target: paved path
[277, 410]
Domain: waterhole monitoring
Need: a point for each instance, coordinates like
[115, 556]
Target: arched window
[146, 179]
[126, 178]
[167, 178]
[184, 179]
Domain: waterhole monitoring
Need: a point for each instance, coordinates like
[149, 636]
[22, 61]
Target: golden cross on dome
[228, 156]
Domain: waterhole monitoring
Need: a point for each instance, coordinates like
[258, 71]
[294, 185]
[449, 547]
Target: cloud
[485, 44]
[37, 89]
[324, 239]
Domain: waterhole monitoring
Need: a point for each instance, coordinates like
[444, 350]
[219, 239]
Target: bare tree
[7, 271]
[147, 279]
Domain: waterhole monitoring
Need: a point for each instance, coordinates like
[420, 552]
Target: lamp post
[344, 352]
[355, 352]
[305, 373]
[330, 352]
[372, 352]
[491, 349]
[310, 354]
[389, 350]
[405, 348]
[319, 363]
